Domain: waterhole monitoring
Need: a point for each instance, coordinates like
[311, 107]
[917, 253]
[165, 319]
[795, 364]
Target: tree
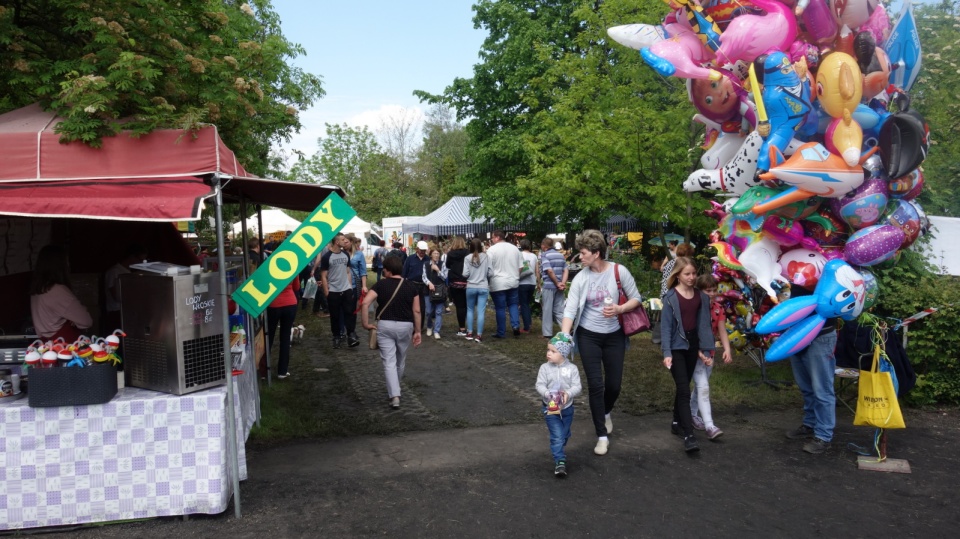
[566, 128]
[340, 160]
[160, 64]
[442, 158]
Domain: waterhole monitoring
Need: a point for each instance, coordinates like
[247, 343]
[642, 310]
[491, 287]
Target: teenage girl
[686, 336]
[700, 401]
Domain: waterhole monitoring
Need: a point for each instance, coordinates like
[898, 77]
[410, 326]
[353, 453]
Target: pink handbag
[635, 321]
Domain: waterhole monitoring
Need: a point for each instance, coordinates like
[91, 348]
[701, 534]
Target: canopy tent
[358, 227]
[940, 250]
[451, 218]
[273, 221]
[161, 176]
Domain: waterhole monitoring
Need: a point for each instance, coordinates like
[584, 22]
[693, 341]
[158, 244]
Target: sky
[373, 54]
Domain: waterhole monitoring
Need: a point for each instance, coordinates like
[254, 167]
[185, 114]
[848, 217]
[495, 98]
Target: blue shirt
[552, 259]
[413, 268]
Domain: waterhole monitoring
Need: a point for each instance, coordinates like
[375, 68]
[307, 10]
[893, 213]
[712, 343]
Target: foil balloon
[873, 245]
[682, 55]
[826, 228]
[750, 35]
[852, 13]
[802, 267]
[839, 294]
[720, 146]
[863, 206]
[908, 216]
[786, 232]
[760, 194]
[908, 186]
[819, 22]
[637, 36]
[812, 170]
[872, 288]
[759, 260]
[787, 101]
[723, 100]
[904, 139]
[736, 176]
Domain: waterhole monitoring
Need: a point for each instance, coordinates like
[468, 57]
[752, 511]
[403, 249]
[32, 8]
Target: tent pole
[232, 450]
[248, 320]
[263, 315]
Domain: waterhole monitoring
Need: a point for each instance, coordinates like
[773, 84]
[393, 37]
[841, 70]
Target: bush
[933, 343]
[648, 280]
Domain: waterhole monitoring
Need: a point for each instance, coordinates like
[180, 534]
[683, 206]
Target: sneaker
[714, 432]
[690, 444]
[477, 338]
[436, 336]
[337, 342]
[469, 336]
[816, 446]
[608, 423]
[353, 341]
[675, 429]
[802, 432]
[462, 333]
[283, 376]
[561, 469]
[602, 446]
[395, 403]
[698, 423]
[429, 332]
[516, 333]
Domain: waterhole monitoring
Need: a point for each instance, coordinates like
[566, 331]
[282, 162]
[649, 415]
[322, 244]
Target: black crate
[72, 386]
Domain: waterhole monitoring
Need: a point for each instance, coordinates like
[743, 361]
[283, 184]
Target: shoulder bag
[636, 320]
[373, 332]
[877, 404]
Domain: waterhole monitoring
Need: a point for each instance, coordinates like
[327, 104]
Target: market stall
[78, 196]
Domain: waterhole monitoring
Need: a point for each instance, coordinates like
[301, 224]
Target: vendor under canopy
[56, 310]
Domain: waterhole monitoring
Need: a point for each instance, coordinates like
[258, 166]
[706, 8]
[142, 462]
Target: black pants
[342, 305]
[602, 354]
[684, 361]
[459, 297]
[284, 317]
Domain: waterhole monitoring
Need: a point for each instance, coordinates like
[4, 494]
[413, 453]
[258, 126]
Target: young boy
[558, 382]
[700, 399]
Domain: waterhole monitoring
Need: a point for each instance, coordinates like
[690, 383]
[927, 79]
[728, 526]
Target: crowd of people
[412, 293]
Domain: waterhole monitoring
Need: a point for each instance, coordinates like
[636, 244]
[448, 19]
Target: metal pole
[232, 450]
[263, 316]
[248, 320]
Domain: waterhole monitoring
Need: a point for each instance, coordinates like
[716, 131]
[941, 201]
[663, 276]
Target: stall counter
[143, 454]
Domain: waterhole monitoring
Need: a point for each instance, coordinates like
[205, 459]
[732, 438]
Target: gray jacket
[477, 273]
[577, 296]
[564, 376]
[672, 336]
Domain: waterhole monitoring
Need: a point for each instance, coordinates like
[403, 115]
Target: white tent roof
[273, 221]
[451, 218]
[358, 227]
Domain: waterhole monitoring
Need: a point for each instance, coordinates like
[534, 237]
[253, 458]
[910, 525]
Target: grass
[319, 402]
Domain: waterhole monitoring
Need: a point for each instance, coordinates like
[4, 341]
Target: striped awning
[451, 218]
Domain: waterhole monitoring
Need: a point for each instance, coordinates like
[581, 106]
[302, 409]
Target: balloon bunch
[809, 128]
[83, 352]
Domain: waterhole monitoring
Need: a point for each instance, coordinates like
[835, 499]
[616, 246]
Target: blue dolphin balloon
[840, 292]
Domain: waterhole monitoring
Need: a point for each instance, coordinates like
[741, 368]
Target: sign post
[289, 259]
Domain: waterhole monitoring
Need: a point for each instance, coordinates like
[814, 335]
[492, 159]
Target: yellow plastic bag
[877, 404]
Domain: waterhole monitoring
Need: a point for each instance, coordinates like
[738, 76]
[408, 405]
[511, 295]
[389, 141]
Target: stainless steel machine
[174, 327]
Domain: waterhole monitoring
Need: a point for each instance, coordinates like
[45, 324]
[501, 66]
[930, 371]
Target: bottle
[608, 300]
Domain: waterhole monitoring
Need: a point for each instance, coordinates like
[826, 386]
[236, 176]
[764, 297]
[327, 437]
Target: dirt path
[494, 477]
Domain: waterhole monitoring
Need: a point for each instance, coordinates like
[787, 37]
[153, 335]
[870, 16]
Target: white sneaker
[436, 336]
[601, 448]
[429, 332]
[609, 424]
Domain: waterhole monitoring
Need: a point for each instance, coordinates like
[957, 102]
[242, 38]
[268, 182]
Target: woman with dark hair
[528, 283]
[591, 315]
[55, 309]
[476, 269]
[458, 283]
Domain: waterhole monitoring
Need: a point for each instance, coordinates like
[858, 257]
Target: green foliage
[158, 64]
[933, 343]
[936, 95]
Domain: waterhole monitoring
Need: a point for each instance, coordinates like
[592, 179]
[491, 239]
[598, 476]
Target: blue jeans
[559, 427]
[502, 299]
[434, 313]
[814, 369]
[525, 293]
[476, 298]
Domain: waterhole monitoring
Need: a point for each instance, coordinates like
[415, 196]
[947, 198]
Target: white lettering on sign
[198, 303]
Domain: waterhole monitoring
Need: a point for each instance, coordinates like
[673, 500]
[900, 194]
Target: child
[558, 382]
[700, 400]
[685, 333]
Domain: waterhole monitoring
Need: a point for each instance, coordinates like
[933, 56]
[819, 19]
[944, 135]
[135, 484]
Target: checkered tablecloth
[143, 454]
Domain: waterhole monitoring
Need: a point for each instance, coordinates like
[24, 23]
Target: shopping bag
[877, 404]
[310, 290]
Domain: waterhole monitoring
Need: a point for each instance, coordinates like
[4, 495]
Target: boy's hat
[563, 342]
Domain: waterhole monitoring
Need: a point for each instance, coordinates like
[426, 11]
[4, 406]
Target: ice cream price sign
[286, 262]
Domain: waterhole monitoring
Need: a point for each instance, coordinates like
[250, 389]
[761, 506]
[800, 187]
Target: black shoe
[337, 342]
[690, 444]
[675, 429]
[516, 333]
[800, 433]
[816, 446]
[353, 341]
[561, 469]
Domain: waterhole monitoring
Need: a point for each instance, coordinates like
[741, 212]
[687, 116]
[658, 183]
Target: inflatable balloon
[720, 146]
[908, 186]
[873, 245]
[759, 260]
[637, 36]
[734, 177]
[903, 48]
[786, 232]
[908, 216]
[839, 89]
[724, 101]
[826, 228]
[872, 286]
[802, 267]
[819, 22]
[787, 101]
[904, 140]
[878, 24]
[748, 36]
[811, 171]
[852, 13]
[863, 206]
[840, 293]
[682, 55]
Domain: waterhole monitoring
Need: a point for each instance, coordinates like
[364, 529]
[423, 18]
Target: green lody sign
[289, 259]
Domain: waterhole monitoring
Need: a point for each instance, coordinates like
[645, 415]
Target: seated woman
[55, 309]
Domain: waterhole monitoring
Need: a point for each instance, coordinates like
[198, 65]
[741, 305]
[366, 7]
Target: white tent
[940, 251]
[358, 227]
[273, 221]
